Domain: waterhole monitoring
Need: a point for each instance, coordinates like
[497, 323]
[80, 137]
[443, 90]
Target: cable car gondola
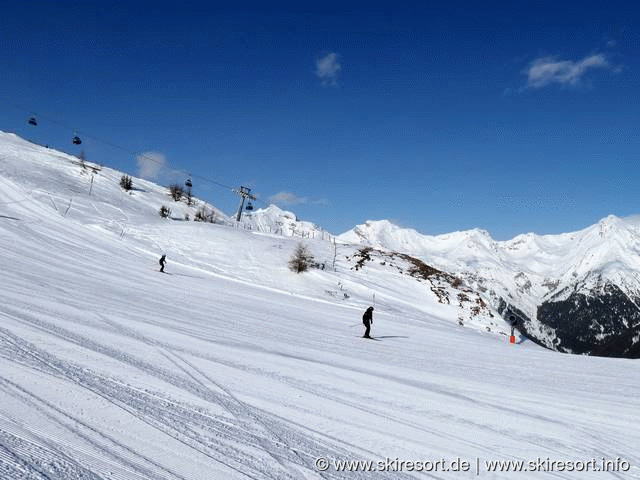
[188, 183]
[32, 121]
[76, 140]
[249, 207]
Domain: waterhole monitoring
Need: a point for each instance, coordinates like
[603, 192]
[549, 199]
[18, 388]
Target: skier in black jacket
[162, 260]
[513, 322]
[367, 319]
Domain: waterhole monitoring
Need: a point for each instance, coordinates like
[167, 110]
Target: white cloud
[151, 165]
[547, 70]
[327, 69]
[287, 198]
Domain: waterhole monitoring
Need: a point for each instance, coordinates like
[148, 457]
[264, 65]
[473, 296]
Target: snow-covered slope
[275, 220]
[82, 191]
[230, 366]
[533, 276]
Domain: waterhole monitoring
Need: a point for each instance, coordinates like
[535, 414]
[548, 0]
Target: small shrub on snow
[176, 191]
[301, 259]
[202, 215]
[126, 182]
[164, 211]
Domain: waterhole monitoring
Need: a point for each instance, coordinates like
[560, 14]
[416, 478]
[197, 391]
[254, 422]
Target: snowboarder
[367, 319]
[162, 261]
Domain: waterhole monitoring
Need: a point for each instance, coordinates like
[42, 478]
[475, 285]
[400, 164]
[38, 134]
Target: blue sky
[441, 117]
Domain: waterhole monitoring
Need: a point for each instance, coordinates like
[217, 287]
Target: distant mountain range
[575, 292]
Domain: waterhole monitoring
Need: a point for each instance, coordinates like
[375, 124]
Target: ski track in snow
[169, 349]
[254, 428]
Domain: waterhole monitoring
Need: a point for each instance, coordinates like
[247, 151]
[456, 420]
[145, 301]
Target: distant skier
[162, 262]
[367, 319]
[513, 322]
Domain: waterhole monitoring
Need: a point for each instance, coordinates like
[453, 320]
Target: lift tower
[245, 193]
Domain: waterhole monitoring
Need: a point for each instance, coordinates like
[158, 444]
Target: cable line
[80, 133]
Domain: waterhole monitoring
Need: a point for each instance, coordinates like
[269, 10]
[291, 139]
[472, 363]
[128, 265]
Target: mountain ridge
[540, 277]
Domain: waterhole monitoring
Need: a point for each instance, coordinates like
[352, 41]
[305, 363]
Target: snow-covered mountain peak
[274, 211]
[478, 233]
[611, 226]
[383, 234]
[388, 235]
[273, 219]
[609, 241]
[377, 227]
